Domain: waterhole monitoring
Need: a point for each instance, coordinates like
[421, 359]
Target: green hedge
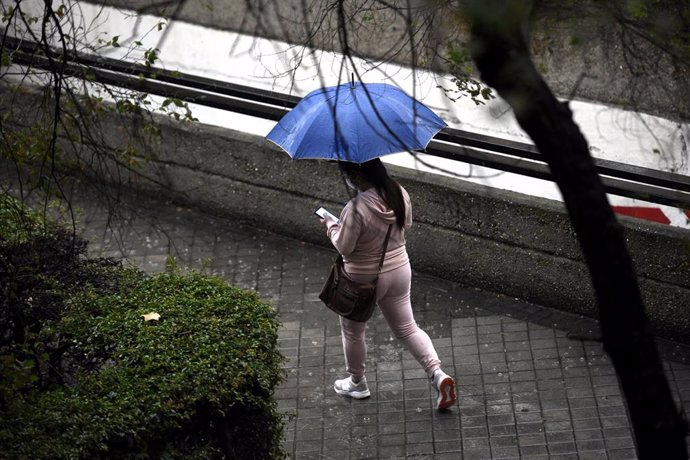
[99, 381]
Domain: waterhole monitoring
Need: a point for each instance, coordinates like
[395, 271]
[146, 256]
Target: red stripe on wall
[653, 214]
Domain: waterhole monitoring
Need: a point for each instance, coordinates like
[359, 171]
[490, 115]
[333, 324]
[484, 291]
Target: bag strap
[385, 247]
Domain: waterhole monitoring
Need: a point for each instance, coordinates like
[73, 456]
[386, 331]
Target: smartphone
[323, 213]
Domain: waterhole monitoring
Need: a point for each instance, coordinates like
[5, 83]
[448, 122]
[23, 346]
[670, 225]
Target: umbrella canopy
[355, 122]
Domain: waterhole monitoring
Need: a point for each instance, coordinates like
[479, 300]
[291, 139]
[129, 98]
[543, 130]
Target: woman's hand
[328, 223]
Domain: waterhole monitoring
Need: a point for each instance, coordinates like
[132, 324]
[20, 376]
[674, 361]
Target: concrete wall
[581, 51]
[504, 242]
[509, 243]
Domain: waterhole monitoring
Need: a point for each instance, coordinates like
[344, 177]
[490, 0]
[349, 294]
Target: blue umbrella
[355, 122]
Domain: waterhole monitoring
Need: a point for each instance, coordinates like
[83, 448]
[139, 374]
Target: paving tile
[554, 406]
[538, 439]
[474, 431]
[530, 427]
[562, 448]
[498, 442]
[473, 422]
[392, 452]
[419, 448]
[447, 447]
[555, 437]
[593, 455]
[620, 443]
[505, 453]
[524, 387]
[502, 430]
[621, 454]
[511, 338]
[469, 444]
[582, 403]
[534, 451]
[503, 419]
[587, 424]
[528, 417]
[614, 422]
[476, 454]
[596, 445]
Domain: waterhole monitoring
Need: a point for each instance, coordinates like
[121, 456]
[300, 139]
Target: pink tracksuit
[359, 238]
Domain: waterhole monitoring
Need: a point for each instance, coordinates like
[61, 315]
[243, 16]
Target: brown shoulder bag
[348, 298]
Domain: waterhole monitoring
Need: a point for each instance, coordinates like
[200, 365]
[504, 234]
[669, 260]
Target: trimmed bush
[195, 383]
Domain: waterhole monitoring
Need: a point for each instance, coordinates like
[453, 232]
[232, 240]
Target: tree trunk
[500, 52]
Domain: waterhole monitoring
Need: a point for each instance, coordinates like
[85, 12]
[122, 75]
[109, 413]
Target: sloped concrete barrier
[500, 241]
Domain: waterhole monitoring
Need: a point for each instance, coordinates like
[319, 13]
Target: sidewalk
[529, 386]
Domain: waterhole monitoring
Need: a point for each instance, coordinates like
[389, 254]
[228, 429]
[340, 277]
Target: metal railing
[520, 158]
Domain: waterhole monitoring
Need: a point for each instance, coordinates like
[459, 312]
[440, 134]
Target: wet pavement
[533, 383]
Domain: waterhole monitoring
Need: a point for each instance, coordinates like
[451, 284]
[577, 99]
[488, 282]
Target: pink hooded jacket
[363, 225]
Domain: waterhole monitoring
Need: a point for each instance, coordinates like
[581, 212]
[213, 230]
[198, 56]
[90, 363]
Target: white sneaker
[445, 389]
[347, 387]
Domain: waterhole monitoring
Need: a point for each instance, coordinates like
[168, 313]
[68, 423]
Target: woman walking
[381, 202]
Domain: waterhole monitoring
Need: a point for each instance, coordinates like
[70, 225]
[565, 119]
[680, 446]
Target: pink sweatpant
[393, 297]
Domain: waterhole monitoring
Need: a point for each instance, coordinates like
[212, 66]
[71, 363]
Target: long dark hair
[375, 174]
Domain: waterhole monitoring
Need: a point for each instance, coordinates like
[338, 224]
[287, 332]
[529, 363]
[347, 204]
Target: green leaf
[6, 58]
[60, 12]
[150, 56]
[9, 12]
